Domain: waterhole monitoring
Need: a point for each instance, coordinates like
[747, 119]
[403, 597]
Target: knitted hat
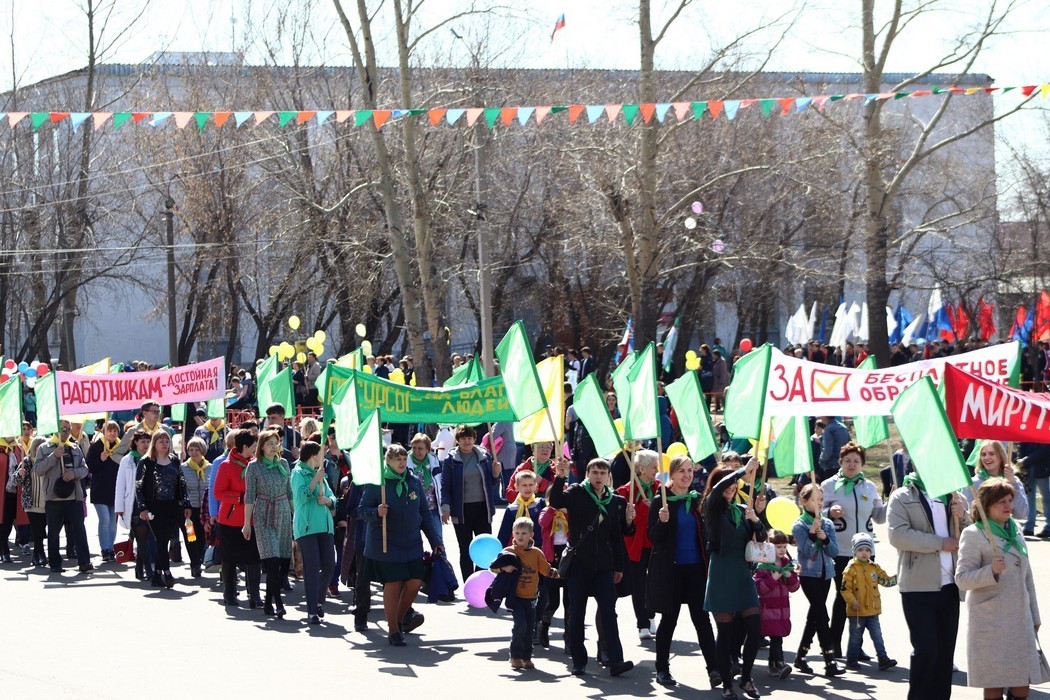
[862, 539]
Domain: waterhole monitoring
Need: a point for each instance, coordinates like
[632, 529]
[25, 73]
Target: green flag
[282, 391]
[643, 409]
[216, 408]
[621, 384]
[871, 430]
[178, 413]
[470, 372]
[267, 371]
[589, 404]
[924, 426]
[1014, 380]
[366, 455]
[119, 367]
[746, 399]
[693, 419]
[974, 460]
[519, 373]
[792, 450]
[345, 413]
[46, 405]
[11, 408]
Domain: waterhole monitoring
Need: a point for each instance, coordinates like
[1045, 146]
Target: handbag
[124, 552]
[64, 489]
[1044, 668]
[569, 554]
[213, 556]
[760, 552]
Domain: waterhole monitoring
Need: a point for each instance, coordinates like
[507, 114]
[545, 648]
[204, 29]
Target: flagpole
[660, 466]
[765, 468]
[984, 518]
[382, 501]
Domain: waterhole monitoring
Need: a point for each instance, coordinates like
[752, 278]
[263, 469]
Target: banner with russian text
[124, 391]
[980, 409]
[800, 387]
[481, 402]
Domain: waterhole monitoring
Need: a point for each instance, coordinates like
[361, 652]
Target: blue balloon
[30, 373]
[483, 549]
[23, 366]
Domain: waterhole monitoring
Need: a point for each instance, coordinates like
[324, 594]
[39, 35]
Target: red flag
[946, 334]
[1018, 324]
[960, 321]
[1042, 316]
[985, 319]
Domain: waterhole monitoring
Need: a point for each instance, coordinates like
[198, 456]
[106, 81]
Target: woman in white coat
[124, 503]
[1002, 612]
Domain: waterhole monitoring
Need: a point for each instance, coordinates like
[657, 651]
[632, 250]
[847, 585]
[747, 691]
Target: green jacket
[310, 518]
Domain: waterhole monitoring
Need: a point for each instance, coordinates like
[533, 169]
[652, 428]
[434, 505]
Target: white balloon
[690, 223]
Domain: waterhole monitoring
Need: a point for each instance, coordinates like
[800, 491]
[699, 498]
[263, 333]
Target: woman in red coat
[11, 511]
[539, 464]
[775, 583]
[236, 550]
[639, 548]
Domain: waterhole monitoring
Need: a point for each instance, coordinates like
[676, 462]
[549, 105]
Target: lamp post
[169, 220]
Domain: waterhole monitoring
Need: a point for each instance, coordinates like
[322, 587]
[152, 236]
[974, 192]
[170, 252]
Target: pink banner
[123, 391]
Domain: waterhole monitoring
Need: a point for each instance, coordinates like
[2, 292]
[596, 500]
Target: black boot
[545, 634]
[831, 669]
[800, 661]
[253, 578]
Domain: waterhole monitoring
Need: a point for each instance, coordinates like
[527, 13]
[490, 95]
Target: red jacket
[773, 596]
[640, 539]
[229, 490]
[542, 482]
[18, 517]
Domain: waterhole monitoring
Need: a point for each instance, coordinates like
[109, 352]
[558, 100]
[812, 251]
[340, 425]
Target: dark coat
[659, 583]
[603, 549]
[451, 480]
[407, 515]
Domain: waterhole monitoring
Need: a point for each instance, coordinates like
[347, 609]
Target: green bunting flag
[643, 409]
[216, 408]
[871, 430]
[282, 391]
[46, 405]
[267, 371]
[11, 408]
[792, 449]
[470, 372]
[519, 373]
[366, 455]
[589, 404]
[693, 419]
[119, 367]
[345, 412]
[621, 384]
[923, 424]
[746, 399]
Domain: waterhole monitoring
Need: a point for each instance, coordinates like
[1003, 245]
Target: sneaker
[779, 669]
[886, 663]
[652, 627]
[644, 634]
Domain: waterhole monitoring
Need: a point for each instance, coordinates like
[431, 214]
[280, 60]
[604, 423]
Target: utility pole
[169, 220]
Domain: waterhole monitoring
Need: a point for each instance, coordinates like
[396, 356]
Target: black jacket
[1036, 459]
[603, 549]
[716, 516]
[659, 582]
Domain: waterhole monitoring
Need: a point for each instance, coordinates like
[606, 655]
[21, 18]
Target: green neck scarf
[135, 455]
[1011, 533]
[603, 501]
[273, 463]
[644, 491]
[689, 497]
[423, 469]
[848, 482]
[540, 468]
[915, 480]
[808, 519]
[783, 570]
[734, 514]
[390, 475]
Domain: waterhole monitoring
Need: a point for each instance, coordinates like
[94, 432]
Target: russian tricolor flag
[560, 24]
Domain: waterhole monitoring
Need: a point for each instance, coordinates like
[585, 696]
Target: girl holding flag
[1001, 608]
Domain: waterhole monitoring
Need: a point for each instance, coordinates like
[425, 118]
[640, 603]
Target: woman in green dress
[731, 594]
[267, 505]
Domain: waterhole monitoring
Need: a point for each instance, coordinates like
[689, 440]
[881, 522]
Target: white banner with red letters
[123, 391]
[799, 387]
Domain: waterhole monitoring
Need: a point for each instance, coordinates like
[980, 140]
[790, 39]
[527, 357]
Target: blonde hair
[644, 459]
[1000, 451]
[159, 435]
[677, 462]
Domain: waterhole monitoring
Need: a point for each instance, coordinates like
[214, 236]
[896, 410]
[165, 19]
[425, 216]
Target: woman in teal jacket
[312, 526]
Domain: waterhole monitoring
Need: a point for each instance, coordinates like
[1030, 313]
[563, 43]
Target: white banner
[799, 387]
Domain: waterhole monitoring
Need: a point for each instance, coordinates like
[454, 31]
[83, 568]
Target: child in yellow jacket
[860, 590]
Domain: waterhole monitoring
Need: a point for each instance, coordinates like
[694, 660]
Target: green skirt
[393, 571]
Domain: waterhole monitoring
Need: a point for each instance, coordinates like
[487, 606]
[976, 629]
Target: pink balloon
[698, 208]
[42, 369]
[746, 345]
[718, 245]
[475, 587]
[4, 378]
[10, 364]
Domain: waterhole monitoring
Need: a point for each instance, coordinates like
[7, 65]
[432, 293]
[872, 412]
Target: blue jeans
[524, 612]
[1044, 490]
[857, 625]
[107, 526]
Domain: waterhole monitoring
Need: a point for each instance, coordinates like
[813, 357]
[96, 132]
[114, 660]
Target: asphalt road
[106, 635]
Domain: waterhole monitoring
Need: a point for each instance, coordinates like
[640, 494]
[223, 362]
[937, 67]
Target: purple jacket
[773, 596]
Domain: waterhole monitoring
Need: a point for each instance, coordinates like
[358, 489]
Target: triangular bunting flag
[14, 117]
[78, 118]
[473, 113]
[380, 117]
[715, 107]
[284, 117]
[1044, 90]
[100, 118]
[801, 104]
[453, 115]
[221, 117]
[139, 116]
[786, 103]
[491, 115]
[322, 117]
[744, 104]
[698, 109]
[436, 115]
[119, 118]
[303, 117]
[56, 117]
[574, 113]
[681, 110]
[767, 106]
[260, 117]
[541, 114]
[630, 113]
[182, 119]
[159, 118]
[240, 117]
[362, 116]
[593, 112]
[647, 110]
[523, 114]
[202, 119]
[612, 111]
[39, 118]
[661, 111]
[341, 115]
[731, 107]
[820, 102]
[508, 115]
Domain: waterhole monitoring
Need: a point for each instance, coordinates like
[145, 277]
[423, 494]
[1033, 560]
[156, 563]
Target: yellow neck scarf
[198, 469]
[152, 431]
[68, 443]
[5, 446]
[25, 444]
[108, 447]
[523, 505]
[560, 523]
[214, 437]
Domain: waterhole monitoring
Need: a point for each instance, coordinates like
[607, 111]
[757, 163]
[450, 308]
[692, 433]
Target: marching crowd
[266, 502]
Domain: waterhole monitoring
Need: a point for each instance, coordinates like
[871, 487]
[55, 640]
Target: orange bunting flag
[436, 115]
[303, 117]
[222, 117]
[715, 108]
[574, 113]
[380, 117]
[647, 111]
[507, 115]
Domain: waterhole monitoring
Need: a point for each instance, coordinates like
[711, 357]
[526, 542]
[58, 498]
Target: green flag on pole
[267, 371]
[643, 409]
[518, 369]
[792, 449]
[746, 398]
[11, 408]
[871, 430]
[345, 413]
[693, 419]
[974, 460]
[178, 413]
[46, 405]
[282, 391]
[621, 384]
[216, 408]
[923, 424]
[366, 455]
[470, 372]
[589, 404]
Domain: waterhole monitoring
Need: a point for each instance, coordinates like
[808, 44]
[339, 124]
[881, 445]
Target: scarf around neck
[689, 497]
[603, 501]
[1011, 534]
[540, 469]
[198, 469]
[214, 435]
[808, 519]
[240, 461]
[399, 479]
[786, 570]
[53, 440]
[523, 505]
[274, 463]
[848, 482]
[423, 469]
[107, 448]
[645, 491]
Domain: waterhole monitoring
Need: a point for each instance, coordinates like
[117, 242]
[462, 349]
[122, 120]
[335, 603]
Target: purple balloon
[698, 208]
[475, 587]
[718, 245]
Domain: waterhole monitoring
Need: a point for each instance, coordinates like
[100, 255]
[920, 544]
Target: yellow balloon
[361, 330]
[693, 364]
[690, 355]
[300, 357]
[366, 347]
[319, 349]
[675, 449]
[293, 322]
[666, 466]
[782, 513]
[273, 350]
[618, 424]
[397, 376]
[321, 336]
[311, 343]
